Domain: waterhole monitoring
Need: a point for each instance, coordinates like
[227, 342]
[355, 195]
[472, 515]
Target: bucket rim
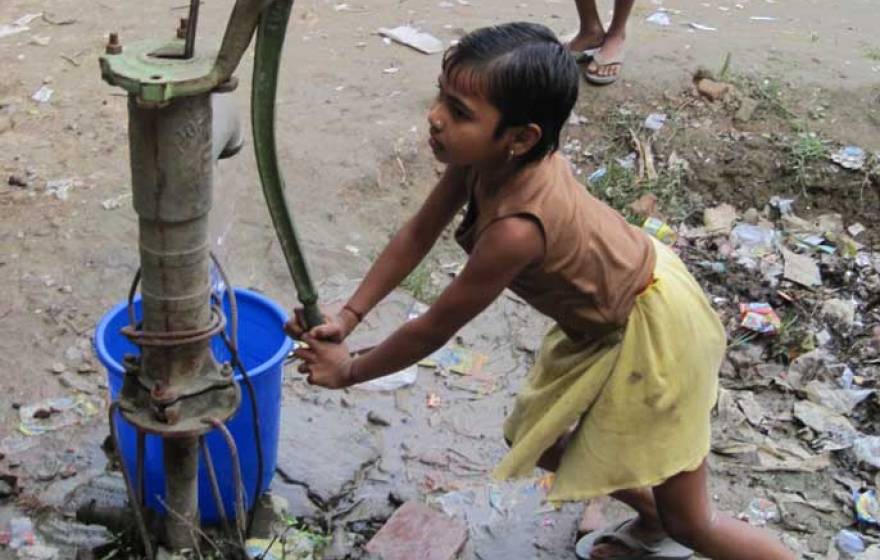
[115, 368]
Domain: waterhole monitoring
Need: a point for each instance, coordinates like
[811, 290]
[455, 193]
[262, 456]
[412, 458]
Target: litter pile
[797, 418]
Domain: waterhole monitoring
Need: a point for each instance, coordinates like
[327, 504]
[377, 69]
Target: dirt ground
[353, 147]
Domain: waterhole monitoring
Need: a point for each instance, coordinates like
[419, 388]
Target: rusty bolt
[113, 44]
[181, 30]
[172, 413]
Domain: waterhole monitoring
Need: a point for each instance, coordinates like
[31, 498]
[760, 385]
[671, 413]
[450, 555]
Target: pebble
[376, 419]
[58, 368]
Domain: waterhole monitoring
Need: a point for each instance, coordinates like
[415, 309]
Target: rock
[793, 224]
[299, 505]
[17, 181]
[830, 223]
[801, 269]
[834, 430]
[746, 110]
[71, 534]
[809, 366]
[645, 206]
[746, 356]
[712, 90]
[270, 516]
[58, 368]
[417, 531]
[839, 313]
[377, 419]
[73, 354]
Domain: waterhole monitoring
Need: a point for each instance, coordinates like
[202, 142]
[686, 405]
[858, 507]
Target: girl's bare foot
[612, 51]
[585, 40]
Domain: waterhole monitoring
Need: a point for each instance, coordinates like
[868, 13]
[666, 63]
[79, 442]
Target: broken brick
[417, 532]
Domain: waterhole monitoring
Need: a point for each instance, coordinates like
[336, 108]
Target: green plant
[418, 283]
[805, 149]
[873, 53]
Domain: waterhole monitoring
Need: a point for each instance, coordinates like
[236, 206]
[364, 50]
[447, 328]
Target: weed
[873, 53]
[419, 284]
[620, 187]
[804, 150]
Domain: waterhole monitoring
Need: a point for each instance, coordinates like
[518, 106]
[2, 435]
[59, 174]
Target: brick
[417, 532]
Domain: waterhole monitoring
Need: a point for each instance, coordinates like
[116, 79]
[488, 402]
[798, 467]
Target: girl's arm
[403, 253]
[503, 250]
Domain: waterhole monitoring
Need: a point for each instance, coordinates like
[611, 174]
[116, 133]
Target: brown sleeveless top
[595, 263]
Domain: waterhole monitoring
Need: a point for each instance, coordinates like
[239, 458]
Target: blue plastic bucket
[262, 348]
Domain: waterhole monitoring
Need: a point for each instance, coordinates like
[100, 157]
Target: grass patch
[873, 53]
[419, 284]
[805, 149]
[620, 187]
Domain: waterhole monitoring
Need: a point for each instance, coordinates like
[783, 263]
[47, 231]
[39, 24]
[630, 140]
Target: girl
[620, 397]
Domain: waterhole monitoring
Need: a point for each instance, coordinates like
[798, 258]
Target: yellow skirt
[641, 400]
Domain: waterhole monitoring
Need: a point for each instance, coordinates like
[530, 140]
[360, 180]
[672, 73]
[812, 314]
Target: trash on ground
[20, 532]
[457, 360]
[867, 450]
[759, 317]
[850, 157]
[867, 507]
[43, 95]
[719, 220]
[655, 121]
[801, 269]
[661, 230]
[597, 175]
[659, 18]
[60, 188]
[52, 414]
[760, 512]
[701, 27]
[18, 26]
[412, 37]
[114, 202]
[849, 542]
[751, 240]
[834, 432]
[842, 401]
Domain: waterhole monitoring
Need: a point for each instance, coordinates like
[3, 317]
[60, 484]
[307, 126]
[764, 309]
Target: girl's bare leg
[591, 33]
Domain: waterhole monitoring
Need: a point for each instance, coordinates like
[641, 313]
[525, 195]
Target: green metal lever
[267, 59]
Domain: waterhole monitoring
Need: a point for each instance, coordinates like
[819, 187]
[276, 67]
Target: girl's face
[463, 123]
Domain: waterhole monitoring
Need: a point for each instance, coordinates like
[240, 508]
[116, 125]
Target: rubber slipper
[664, 549]
[601, 61]
[585, 55]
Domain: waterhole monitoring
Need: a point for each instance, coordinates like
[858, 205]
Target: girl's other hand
[325, 364]
[335, 328]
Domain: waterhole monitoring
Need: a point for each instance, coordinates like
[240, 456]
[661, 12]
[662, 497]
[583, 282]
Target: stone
[645, 206]
[377, 419]
[299, 505]
[269, 517]
[712, 90]
[416, 531]
[746, 356]
[801, 269]
[746, 110]
[58, 368]
[839, 313]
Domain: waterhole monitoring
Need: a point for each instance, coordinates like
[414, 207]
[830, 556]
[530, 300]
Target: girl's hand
[335, 328]
[326, 364]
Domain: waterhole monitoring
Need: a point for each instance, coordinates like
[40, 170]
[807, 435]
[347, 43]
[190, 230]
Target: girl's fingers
[305, 354]
[304, 368]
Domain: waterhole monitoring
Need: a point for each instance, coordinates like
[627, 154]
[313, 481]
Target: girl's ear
[524, 139]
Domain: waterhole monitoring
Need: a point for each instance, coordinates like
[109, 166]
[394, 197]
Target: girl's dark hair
[525, 72]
